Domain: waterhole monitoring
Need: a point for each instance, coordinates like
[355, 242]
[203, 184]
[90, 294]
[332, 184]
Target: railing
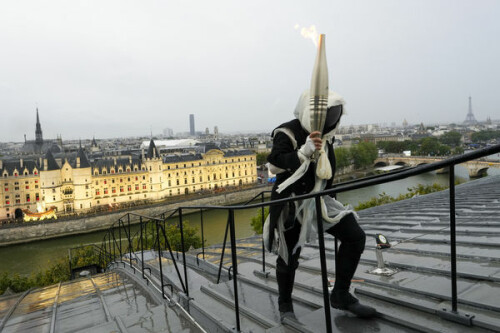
[114, 251]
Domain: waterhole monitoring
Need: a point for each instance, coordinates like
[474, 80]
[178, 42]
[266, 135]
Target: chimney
[1, 164]
[45, 164]
[78, 162]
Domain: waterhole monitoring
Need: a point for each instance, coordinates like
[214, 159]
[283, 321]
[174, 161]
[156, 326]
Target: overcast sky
[111, 68]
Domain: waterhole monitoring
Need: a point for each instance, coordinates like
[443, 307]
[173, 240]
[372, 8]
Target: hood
[302, 110]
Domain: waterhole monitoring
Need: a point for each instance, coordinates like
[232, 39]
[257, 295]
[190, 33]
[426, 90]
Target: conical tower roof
[51, 161]
[152, 150]
[84, 161]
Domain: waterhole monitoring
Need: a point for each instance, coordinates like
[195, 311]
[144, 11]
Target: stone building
[73, 183]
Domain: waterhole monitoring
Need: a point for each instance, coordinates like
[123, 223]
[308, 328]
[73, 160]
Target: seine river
[31, 257]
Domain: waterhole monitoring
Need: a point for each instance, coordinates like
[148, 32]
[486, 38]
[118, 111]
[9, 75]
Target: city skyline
[119, 69]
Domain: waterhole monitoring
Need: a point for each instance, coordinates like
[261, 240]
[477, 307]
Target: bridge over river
[476, 168]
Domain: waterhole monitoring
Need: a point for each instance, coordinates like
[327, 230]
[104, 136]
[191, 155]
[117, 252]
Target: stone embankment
[88, 223]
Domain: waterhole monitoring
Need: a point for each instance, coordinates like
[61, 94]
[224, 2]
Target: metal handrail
[374, 180]
[338, 188]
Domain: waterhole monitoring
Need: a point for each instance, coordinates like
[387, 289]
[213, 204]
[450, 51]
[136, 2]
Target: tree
[429, 146]
[483, 136]
[256, 222]
[342, 157]
[262, 158]
[451, 138]
[457, 151]
[364, 154]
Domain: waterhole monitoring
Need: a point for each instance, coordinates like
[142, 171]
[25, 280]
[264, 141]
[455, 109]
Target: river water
[31, 257]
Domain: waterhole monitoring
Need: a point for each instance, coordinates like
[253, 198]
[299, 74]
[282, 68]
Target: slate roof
[177, 158]
[107, 164]
[236, 152]
[51, 161]
[84, 161]
[152, 150]
[11, 165]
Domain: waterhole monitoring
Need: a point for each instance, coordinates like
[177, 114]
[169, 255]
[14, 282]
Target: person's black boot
[285, 278]
[286, 311]
[343, 300]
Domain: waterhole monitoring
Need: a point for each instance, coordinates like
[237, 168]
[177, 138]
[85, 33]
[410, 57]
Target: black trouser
[352, 243]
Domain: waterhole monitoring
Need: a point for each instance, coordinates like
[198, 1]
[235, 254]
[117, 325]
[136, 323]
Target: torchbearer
[303, 160]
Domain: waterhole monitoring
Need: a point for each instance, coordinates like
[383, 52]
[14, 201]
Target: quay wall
[89, 223]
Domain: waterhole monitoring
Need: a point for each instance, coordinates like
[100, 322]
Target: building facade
[76, 185]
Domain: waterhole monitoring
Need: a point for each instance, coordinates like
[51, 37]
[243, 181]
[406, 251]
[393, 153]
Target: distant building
[168, 132]
[192, 131]
[39, 145]
[75, 183]
[374, 138]
[470, 119]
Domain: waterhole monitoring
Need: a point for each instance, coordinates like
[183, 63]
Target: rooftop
[410, 300]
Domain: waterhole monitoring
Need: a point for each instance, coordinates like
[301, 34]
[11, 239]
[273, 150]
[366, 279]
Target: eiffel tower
[470, 119]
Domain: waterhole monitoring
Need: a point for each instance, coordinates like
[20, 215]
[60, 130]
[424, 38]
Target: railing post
[159, 259]
[114, 243]
[142, 248]
[129, 243]
[202, 234]
[119, 245]
[453, 241]
[322, 256]
[109, 245]
[183, 252]
[223, 250]
[263, 245]
[235, 268]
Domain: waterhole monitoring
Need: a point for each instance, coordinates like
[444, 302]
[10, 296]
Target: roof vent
[381, 269]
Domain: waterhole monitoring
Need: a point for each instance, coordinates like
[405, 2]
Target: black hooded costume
[284, 230]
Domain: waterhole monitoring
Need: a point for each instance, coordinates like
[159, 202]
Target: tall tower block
[191, 125]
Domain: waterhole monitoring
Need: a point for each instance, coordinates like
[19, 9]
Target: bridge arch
[401, 163]
[482, 172]
[380, 164]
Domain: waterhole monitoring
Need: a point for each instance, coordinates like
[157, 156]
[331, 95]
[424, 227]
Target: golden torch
[319, 90]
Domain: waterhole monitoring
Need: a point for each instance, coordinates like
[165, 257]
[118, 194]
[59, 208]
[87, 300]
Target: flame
[309, 33]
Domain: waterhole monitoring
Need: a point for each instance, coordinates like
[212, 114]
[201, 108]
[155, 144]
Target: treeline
[59, 271]
[359, 156]
[485, 136]
[446, 144]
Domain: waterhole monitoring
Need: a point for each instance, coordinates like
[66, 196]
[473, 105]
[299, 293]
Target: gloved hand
[307, 149]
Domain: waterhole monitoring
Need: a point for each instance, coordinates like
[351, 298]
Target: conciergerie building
[75, 183]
